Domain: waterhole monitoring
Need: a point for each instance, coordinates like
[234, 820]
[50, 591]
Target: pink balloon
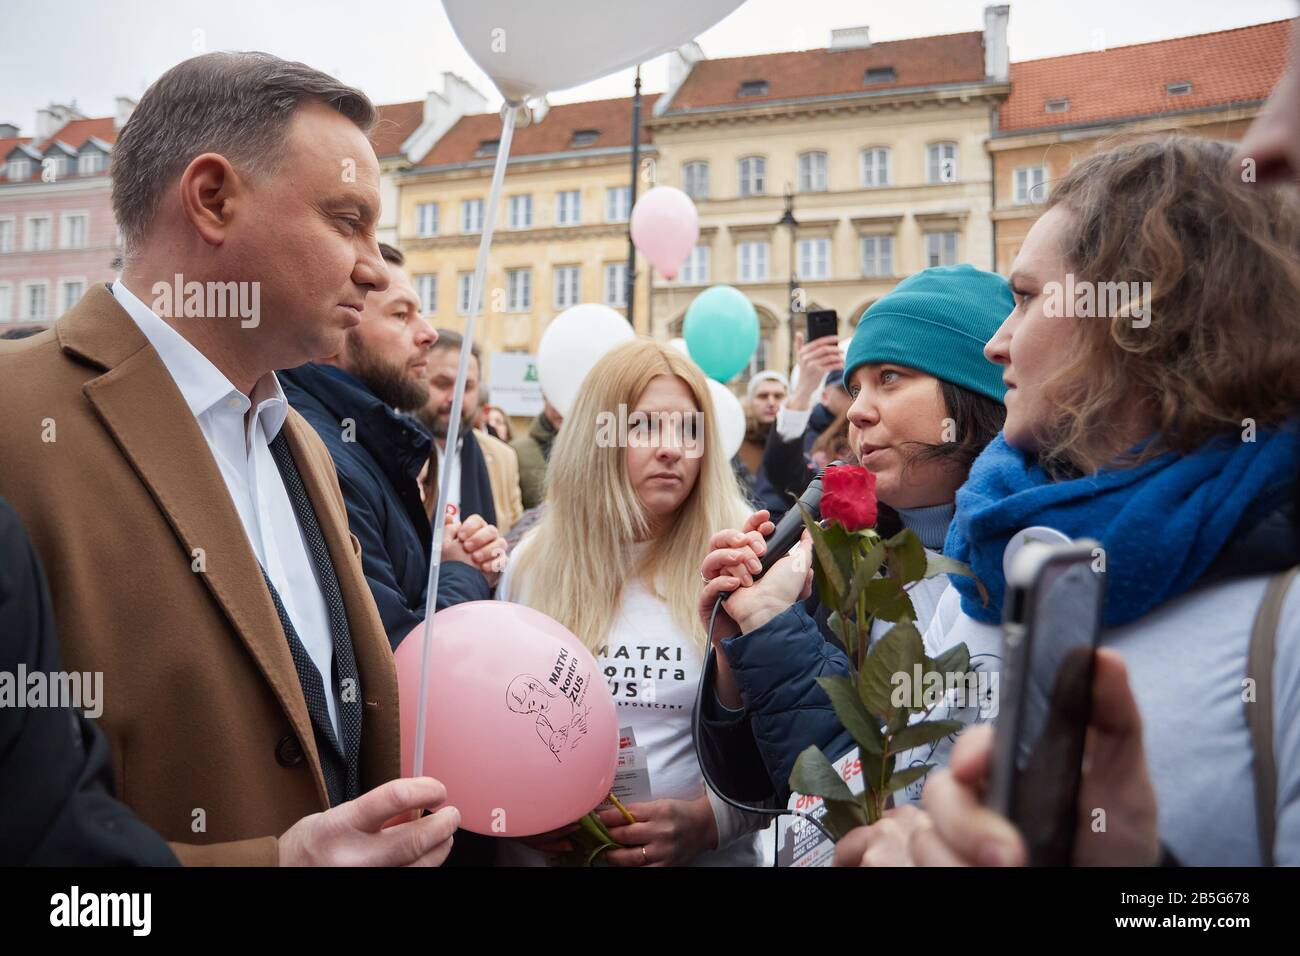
[665, 228]
[520, 724]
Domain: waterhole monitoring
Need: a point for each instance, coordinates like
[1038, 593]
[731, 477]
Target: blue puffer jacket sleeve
[776, 667]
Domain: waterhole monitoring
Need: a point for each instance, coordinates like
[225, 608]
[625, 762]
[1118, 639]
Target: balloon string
[453, 427]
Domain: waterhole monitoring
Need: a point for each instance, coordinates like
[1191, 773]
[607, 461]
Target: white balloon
[532, 47]
[679, 344]
[575, 341]
[729, 416]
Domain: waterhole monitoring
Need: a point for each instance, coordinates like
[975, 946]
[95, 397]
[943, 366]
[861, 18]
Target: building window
[566, 286]
[464, 286]
[426, 219]
[20, 169]
[616, 285]
[940, 249]
[487, 147]
[941, 163]
[752, 261]
[753, 88]
[1059, 104]
[584, 137]
[90, 162]
[877, 256]
[568, 208]
[521, 211]
[471, 215]
[6, 302]
[752, 176]
[35, 295]
[880, 74]
[72, 233]
[426, 286]
[618, 203]
[814, 258]
[1181, 88]
[73, 289]
[37, 237]
[6, 235]
[695, 270]
[57, 163]
[1029, 185]
[812, 172]
[519, 290]
[695, 180]
[875, 166]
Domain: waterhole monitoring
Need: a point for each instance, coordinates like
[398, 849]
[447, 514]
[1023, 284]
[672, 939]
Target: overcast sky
[93, 50]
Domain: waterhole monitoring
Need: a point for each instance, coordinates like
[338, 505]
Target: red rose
[849, 497]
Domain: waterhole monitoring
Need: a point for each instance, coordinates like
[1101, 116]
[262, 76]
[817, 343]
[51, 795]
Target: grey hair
[235, 104]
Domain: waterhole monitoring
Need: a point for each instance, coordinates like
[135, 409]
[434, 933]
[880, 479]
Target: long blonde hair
[576, 560]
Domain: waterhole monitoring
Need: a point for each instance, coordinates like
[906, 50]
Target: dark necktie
[340, 761]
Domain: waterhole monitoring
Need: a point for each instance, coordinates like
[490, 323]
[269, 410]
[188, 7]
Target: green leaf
[843, 815]
[955, 660]
[923, 733]
[938, 564]
[831, 574]
[848, 708]
[898, 721]
[906, 556]
[895, 653]
[864, 570]
[887, 600]
[814, 776]
[901, 779]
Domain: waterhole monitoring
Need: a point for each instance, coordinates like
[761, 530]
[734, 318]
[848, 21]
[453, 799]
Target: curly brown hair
[1222, 257]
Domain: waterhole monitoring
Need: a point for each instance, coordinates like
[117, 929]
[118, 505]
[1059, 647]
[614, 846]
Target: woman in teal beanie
[925, 404]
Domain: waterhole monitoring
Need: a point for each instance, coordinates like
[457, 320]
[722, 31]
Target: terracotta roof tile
[804, 74]
[77, 132]
[1230, 66]
[554, 134]
[396, 122]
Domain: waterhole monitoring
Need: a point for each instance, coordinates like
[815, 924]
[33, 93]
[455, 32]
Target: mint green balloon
[721, 331]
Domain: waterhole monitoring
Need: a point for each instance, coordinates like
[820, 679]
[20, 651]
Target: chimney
[997, 57]
[8, 131]
[850, 38]
[680, 62]
[53, 118]
[441, 111]
[125, 106]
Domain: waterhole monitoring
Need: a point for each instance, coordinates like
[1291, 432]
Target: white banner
[513, 384]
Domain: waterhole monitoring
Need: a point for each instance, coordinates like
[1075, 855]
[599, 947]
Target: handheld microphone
[790, 527]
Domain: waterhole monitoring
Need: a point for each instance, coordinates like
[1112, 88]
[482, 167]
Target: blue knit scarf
[1161, 523]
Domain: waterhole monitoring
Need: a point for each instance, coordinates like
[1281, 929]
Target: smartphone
[823, 322]
[1051, 624]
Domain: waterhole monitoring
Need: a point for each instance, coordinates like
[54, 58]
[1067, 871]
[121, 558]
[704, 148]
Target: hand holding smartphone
[1051, 625]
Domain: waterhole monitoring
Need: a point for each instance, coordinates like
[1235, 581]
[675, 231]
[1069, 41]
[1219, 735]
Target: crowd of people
[259, 537]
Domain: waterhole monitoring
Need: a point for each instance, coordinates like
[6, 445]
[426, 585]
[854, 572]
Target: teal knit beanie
[938, 322]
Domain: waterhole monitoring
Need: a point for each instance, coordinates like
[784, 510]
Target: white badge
[1018, 540]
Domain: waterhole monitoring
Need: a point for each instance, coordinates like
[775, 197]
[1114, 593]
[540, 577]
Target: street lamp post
[787, 219]
[630, 288]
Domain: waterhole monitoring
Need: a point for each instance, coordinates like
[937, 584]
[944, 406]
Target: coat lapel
[380, 741]
[147, 417]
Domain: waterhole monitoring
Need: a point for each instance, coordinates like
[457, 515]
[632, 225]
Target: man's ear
[209, 188]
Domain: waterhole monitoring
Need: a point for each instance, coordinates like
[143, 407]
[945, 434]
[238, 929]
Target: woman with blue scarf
[1162, 423]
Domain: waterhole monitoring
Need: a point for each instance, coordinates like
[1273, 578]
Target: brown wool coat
[202, 705]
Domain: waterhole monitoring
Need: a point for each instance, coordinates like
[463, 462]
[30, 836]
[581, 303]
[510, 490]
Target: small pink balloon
[520, 724]
[665, 228]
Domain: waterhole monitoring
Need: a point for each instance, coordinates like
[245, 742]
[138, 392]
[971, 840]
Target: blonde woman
[636, 485]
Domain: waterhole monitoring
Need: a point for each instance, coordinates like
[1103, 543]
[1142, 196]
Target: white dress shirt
[240, 443]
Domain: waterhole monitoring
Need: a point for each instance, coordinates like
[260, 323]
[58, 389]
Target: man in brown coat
[249, 693]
